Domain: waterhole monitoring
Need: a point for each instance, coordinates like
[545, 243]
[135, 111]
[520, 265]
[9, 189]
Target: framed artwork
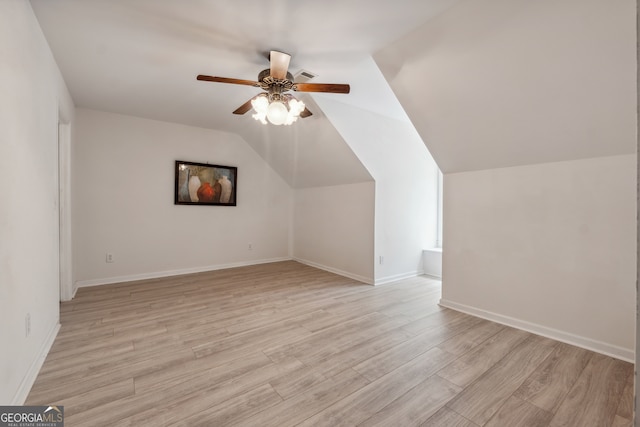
[205, 184]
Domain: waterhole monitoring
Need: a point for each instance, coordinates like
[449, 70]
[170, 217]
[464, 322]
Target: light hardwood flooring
[285, 344]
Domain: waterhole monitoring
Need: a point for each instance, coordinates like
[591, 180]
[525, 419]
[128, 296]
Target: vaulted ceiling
[487, 84]
[500, 83]
[141, 58]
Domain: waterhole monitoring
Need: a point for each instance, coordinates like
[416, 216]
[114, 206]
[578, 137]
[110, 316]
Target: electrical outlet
[110, 257]
[381, 260]
[27, 325]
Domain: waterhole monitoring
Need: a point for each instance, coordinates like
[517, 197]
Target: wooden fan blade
[228, 80]
[306, 113]
[279, 64]
[322, 87]
[244, 107]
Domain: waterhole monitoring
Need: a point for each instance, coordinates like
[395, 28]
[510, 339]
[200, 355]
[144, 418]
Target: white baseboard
[169, 273]
[31, 375]
[432, 262]
[396, 277]
[353, 276]
[628, 355]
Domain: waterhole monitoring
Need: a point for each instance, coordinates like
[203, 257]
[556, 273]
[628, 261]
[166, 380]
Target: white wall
[549, 248]
[310, 154]
[333, 229]
[509, 83]
[123, 181]
[405, 190]
[637, 359]
[33, 94]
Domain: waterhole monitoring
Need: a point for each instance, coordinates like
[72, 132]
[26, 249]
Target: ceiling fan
[275, 104]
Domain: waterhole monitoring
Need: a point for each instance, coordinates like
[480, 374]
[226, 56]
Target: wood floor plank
[198, 371]
[267, 335]
[333, 315]
[298, 381]
[475, 363]
[287, 344]
[151, 314]
[85, 380]
[90, 399]
[445, 417]
[625, 407]
[519, 413]
[400, 354]
[371, 398]
[349, 340]
[435, 319]
[320, 340]
[357, 354]
[549, 384]
[234, 410]
[595, 396]
[469, 339]
[169, 402]
[619, 421]
[415, 406]
[414, 309]
[70, 357]
[482, 399]
[123, 364]
[305, 404]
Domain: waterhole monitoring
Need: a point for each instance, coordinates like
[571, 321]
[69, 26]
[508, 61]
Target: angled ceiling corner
[487, 89]
[309, 153]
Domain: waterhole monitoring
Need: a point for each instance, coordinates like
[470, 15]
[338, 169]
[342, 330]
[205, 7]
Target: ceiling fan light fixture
[260, 105]
[295, 108]
[277, 113]
[274, 105]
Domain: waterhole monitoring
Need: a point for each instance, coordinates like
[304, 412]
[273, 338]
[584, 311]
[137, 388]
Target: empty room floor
[285, 344]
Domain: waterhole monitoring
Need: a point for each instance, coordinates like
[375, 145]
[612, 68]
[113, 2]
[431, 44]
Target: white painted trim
[396, 277]
[169, 273]
[628, 355]
[432, 250]
[67, 290]
[353, 276]
[431, 253]
[27, 382]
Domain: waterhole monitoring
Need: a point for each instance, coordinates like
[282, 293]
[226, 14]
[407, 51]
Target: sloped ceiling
[141, 57]
[499, 83]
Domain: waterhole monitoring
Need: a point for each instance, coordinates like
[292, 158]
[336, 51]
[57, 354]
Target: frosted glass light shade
[260, 105]
[277, 113]
[295, 108]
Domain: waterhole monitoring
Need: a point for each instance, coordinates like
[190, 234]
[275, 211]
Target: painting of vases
[205, 184]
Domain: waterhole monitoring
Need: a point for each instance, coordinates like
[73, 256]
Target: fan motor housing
[266, 73]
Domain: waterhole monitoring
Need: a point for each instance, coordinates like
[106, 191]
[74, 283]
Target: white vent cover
[303, 76]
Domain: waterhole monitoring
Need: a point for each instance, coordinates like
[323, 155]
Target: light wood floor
[285, 344]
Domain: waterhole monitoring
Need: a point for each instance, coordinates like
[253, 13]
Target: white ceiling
[500, 83]
[565, 93]
[141, 57]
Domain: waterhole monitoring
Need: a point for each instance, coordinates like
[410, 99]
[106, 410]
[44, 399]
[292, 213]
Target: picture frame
[205, 184]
